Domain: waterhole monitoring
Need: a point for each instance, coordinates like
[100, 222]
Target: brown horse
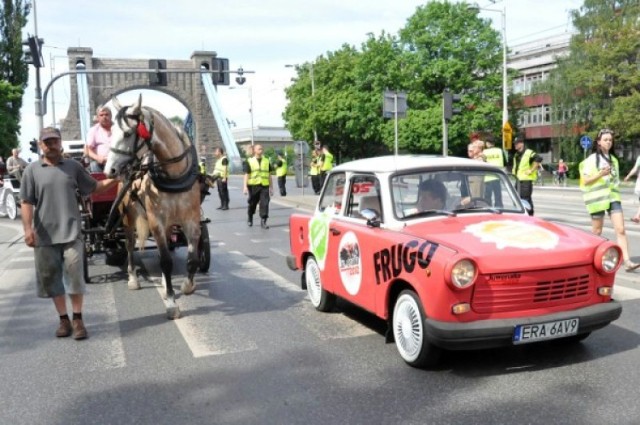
[161, 163]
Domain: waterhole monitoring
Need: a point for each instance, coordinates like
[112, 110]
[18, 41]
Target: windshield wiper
[477, 208]
[427, 213]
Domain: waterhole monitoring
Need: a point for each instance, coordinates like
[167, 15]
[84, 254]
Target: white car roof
[391, 163]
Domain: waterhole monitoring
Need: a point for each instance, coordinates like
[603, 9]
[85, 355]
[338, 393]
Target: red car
[444, 251]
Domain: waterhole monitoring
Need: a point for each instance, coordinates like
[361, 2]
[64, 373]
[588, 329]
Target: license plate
[534, 332]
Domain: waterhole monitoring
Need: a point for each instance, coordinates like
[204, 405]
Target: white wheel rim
[11, 207]
[407, 328]
[314, 284]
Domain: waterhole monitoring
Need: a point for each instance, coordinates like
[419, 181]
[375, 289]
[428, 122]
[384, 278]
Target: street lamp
[505, 92]
[250, 108]
[313, 92]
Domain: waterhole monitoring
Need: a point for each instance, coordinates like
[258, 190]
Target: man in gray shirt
[52, 223]
[15, 164]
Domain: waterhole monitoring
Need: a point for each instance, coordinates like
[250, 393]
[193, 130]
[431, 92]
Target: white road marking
[624, 293]
[279, 252]
[105, 335]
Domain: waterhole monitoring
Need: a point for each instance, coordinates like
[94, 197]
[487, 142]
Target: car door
[352, 243]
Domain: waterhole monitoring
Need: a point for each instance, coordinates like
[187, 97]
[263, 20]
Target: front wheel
[204, 249]
[11, 206]
[319, 297]
[409, 332]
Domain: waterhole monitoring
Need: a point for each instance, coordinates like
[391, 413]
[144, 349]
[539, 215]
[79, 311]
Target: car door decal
[350, 262]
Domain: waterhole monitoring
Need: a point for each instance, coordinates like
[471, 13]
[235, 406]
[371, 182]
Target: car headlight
[463, 273]
[607, 258]
[610, 259]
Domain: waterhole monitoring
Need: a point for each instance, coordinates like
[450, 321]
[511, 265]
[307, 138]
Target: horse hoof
[173, 313]
[188, 288]
[133, 285]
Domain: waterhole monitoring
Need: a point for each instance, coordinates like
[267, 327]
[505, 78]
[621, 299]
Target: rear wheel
[204, 249]
[319, 297]
[409, 332]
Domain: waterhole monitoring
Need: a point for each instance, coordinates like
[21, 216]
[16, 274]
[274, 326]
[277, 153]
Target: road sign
[507, 135]
[585, 142]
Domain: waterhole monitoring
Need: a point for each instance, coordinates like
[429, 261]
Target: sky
[259, 35]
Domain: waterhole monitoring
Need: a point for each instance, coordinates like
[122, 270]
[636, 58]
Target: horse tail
[142, 230]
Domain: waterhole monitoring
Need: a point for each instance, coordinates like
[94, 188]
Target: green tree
[597, 84]
[443, 45]
[14, 73]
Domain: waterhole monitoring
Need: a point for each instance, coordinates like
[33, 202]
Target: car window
[364, 193]
[452, 191]
[333, 192]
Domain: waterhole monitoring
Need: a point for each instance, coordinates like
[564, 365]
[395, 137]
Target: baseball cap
[50, 133]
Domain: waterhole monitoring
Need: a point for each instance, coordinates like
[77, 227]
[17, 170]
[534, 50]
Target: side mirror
[373, 220]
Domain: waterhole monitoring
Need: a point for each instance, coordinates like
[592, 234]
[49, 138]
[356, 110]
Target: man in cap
[526, 164]
[51, 222]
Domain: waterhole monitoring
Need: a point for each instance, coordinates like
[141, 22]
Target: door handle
[334, 231]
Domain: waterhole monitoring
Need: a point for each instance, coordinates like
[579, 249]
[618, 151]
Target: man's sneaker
[263, 223]
[64, 330]
[630, 266]
[79, 331]
[250, 222]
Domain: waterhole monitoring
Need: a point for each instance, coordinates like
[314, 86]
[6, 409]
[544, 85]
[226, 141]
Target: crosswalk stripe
[105, 335]
[624, 293]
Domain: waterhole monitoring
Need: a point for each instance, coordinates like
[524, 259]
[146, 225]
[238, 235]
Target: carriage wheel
[85, 266]
[3, 206]
[204, 249]
[11, 207]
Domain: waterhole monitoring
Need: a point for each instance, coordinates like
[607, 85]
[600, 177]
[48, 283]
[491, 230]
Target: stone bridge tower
[185, 87]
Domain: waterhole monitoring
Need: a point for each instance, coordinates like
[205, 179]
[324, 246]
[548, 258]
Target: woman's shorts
[59, 269]
[614, 207]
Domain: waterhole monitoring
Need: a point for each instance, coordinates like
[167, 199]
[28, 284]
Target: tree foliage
[597, 84]
[14, 73]
[443, 45]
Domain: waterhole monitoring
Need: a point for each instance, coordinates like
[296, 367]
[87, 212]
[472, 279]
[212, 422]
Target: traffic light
[220, 74]
[159, 78]
[448, 99]
[240, 79]
[33, 51]
[33, 146]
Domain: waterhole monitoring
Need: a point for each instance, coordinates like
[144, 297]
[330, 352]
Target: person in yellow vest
[600, 184]
[221, 171]
[494, 156]
[258, 186]
[281, 173]
[526, 164]
[326, 163]
[314, 171]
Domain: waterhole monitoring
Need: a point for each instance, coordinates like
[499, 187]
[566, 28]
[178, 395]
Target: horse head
[130, 137]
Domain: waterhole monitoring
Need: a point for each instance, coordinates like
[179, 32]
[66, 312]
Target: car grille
[528, 293]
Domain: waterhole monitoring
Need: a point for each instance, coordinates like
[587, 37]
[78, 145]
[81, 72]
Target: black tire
[409, 333]
[204, 249]
[116, 257]
[319, 297]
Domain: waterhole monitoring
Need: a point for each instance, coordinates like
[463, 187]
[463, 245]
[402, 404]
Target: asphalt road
[249, 348]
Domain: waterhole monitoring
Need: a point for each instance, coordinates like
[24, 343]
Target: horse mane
[169, 124]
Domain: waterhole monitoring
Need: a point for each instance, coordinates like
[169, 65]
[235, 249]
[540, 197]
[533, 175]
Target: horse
[158, 162]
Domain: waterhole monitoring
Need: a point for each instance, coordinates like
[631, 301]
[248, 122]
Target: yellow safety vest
[327, 164]
[314, 169]
[494, 156]
[203, 168]
[282, 170]
[258, 172]
[220, 169]
[599, 194]
[525, 165]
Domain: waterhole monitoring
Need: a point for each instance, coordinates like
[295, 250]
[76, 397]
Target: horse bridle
[142, 134]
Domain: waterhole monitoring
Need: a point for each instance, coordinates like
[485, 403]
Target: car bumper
[497, 333]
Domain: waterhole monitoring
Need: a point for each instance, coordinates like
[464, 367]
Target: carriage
[9, 197]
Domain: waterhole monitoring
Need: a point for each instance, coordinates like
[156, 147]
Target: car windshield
[432, 193]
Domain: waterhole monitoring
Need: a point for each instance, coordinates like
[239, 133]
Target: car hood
[501, 243]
